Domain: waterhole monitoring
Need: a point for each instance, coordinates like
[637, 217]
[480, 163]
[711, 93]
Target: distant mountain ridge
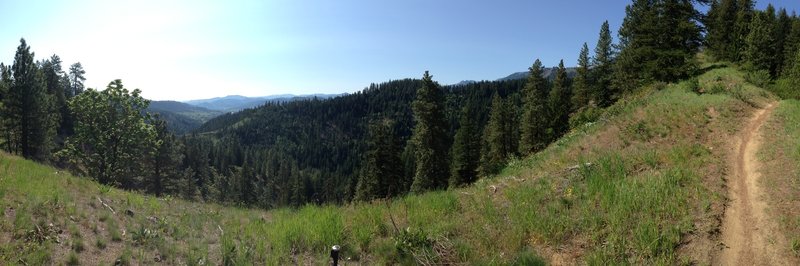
[234, 103]
[549, 73]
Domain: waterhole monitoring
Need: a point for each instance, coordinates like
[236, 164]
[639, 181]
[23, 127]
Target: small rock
[129, 212]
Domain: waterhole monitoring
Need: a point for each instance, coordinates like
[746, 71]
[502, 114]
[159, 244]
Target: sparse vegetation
[73, 260]
[77, 245]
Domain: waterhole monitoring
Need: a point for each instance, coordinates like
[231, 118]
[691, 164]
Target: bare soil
[749, 235]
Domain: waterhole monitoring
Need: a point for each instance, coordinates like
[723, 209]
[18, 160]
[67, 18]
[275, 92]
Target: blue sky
[194, 49]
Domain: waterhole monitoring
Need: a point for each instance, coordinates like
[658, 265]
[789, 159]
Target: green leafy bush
[759, 78]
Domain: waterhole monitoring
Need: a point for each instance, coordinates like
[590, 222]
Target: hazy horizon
[184, 50]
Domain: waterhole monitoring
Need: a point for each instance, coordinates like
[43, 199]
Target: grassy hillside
[781, 155]
[643, 185]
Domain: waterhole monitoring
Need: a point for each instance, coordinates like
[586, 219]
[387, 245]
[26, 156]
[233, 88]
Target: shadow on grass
[717, 65]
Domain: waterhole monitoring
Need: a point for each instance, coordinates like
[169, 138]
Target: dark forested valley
[316, 148]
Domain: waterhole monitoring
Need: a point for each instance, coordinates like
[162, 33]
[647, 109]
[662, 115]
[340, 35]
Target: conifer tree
[30, 125]
[5, 80]
[466, 148]
[760, 50]
[495, 151]
[793, 73]
[430, 138]
[408, 157]
[602, 72]
[635, 45]
[771, 21]
[512, 117]
[245, 183]
[783, 27]
[76, 79]
[658, 41]
[559, 103]
[54, 77]
[581, 85]
[791, 46]
[721, 36]
[535, 116]
[744, 17]
[298, 189]
[166, 176]
[5, 83]
[382, 172]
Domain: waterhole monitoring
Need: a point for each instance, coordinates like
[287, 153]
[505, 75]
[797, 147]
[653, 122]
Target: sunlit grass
[780, 153]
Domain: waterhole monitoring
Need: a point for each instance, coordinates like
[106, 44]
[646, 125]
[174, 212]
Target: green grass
[100, 244]
[645, 177]
[780, 153]
[73, 260]
[77, 245]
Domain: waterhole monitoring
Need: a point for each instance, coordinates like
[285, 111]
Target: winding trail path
[749, 236]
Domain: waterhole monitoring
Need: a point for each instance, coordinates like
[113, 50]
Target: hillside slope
[780, 171]
[235, 103]
[643, 185]
[181, 117]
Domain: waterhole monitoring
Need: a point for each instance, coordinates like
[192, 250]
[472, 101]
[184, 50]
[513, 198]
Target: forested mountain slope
[324, 140]
[235, 103]
[181, 117]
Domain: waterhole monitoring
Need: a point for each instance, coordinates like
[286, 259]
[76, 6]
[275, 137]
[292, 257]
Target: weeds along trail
[749, 236]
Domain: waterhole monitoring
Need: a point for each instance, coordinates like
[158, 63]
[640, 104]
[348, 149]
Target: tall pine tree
[512, 117]
[760, 52]
[495, 149]
[55, 78]
[783, 28]
[430, 137]
[466, 148]
[166, 176]
[5, 83]
[27, 105]
[559, 103]
[535, 116]
[793, 73]
[602, 72]
[658, 42]
[791, 46]
[744, 17]
[721, 36]
[582, 85]
[76, 79]
[382, 169]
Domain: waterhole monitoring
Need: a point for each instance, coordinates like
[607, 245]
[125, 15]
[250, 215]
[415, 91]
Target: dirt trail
[749, 235]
